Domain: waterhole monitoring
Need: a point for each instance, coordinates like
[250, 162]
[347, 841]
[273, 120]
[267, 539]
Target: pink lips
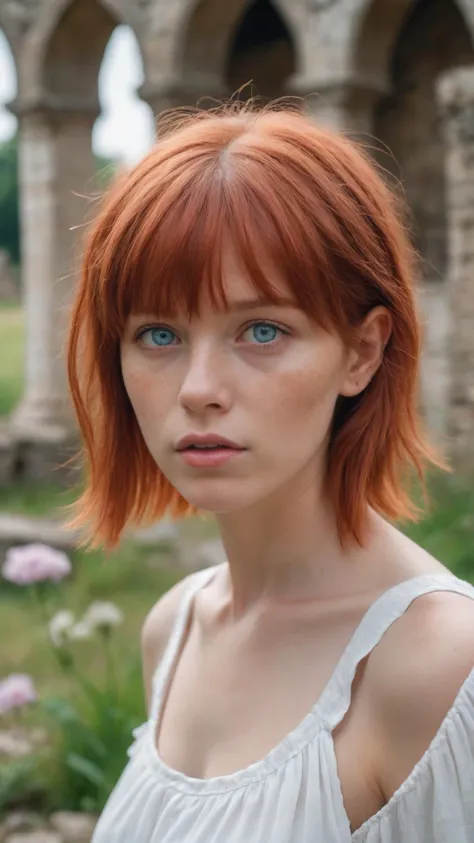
[218, 452]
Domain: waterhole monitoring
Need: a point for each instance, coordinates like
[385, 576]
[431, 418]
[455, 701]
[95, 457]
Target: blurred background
[82, 87]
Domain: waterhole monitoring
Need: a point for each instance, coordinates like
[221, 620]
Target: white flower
[60, 626]
[80, 631]
[103, 615]
[16, 691]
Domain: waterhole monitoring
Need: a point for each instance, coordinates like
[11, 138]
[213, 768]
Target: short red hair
[314, 200]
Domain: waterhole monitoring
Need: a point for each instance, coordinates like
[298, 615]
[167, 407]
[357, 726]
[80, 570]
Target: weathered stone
[73, 827]
[8, 289]
[22, 821]
[455, 92]
[40, 836]
[7, 457]
[20, 530]
[14, 745]
[164, 532]
[194, 557]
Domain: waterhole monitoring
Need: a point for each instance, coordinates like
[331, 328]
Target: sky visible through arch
[125, 128]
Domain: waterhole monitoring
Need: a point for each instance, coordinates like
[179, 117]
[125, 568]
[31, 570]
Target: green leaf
[86, 768]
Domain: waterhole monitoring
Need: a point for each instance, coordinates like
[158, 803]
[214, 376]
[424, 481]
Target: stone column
[345, 106]
[56, 171]
[180, 93]
[455, 91]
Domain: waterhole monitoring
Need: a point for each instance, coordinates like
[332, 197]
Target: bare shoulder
[157, 628]
[414, 676]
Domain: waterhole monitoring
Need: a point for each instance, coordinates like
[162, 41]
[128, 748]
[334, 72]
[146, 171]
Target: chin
[217, 499]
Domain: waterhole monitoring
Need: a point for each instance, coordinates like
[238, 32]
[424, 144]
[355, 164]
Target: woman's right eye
[157, 337]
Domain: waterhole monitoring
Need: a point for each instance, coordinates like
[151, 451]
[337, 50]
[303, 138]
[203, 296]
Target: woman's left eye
[263, 333]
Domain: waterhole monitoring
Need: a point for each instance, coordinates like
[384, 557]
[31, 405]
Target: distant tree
[9, 199]
[106, 169]
[9, 194]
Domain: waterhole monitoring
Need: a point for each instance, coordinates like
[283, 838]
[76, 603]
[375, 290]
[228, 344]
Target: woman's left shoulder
[426, 655]
[420, 675]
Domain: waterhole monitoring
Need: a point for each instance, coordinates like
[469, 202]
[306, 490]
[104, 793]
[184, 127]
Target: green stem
[111, 678]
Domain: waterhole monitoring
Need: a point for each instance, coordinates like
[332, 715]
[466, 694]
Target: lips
[194, 441]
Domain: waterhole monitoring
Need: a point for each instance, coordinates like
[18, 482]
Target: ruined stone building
[397, 73]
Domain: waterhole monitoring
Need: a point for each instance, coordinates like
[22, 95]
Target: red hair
[315, 201]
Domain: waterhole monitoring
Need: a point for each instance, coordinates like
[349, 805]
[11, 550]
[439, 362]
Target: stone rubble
[60, 827]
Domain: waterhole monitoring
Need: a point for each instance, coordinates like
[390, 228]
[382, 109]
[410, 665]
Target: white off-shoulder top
[293, 795]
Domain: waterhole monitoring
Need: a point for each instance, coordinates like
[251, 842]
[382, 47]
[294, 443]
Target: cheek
[146, 392]
[305, 395]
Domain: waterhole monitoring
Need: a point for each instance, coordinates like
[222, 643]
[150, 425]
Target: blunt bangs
[174, 231]
[283, 193]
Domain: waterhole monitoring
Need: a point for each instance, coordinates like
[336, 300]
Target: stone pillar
[180, 93]
[455, 91]
[56, 171]
[344, 106]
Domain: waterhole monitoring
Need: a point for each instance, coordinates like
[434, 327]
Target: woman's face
[261, 375]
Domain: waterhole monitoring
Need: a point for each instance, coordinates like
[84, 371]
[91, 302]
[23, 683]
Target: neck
[288, 550]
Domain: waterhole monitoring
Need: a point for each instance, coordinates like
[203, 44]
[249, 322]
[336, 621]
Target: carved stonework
[22, 12]
[455, 93]
[318, 5]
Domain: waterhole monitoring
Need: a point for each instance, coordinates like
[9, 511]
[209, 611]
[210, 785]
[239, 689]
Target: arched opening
[9, 205]
[126, 128]
[94, 63]
[74, 54]
[262, 52]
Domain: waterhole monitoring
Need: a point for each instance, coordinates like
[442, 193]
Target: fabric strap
[165, 666]
[389, 607]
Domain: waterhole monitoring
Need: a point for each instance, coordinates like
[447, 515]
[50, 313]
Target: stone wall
[456, 98]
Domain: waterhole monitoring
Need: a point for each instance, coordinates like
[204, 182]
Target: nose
[204, 386]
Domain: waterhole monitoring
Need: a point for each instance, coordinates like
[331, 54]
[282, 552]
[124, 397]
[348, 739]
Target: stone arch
[52, 34]
[374, 31]
[262, 50]
[209, 28]
[69, 72]
[432, 39]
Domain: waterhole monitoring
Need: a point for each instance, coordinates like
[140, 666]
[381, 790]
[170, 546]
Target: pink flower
[16, 690]
[35, 563]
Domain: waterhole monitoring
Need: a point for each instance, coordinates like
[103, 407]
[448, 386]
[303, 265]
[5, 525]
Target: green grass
[132, 577]
[12, 343]
[37, 500]
[447, 529]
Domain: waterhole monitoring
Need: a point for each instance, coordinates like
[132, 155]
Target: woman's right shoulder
[157, 628]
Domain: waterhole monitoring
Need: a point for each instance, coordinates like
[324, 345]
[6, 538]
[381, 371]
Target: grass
[12, 344]
[132, 577]
[35, 500]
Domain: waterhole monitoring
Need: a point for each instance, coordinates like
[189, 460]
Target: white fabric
[293, 795]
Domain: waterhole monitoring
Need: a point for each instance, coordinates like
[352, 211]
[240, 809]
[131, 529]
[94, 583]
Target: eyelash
[271, 344]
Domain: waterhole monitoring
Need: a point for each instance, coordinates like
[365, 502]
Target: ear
[366, 352]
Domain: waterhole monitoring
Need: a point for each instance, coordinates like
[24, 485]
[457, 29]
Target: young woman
[245, 342]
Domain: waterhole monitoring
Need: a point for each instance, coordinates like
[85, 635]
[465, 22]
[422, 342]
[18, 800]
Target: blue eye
[159, 337]
[263, 332]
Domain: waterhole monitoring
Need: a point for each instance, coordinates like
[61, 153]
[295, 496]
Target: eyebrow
[250, 304]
